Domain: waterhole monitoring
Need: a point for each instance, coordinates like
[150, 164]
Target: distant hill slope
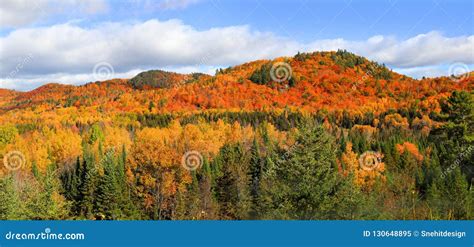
[162, 79]
[308, 82]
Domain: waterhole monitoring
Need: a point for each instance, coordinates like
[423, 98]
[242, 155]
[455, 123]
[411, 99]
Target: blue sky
[68, 41]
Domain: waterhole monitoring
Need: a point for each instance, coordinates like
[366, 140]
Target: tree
[108, 193]
[10, 201]
[7, 134]
[71, 182]
[455, 138]
[88, 185]
[52, 204]
[450, 196]
[232, 183]
[304, 182]
[96, 134]
[255, 172]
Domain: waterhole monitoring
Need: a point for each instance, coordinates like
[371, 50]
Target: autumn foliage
[114, 149]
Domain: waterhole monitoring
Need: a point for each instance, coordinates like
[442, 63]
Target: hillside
[162, 79]
[319, 81]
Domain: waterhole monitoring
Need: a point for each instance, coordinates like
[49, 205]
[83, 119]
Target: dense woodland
[268, 149]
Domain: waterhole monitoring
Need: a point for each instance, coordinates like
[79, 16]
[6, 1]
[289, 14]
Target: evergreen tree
[449, 196]
[87, 187]
[108, 191]
[256, 166]
[232, 183]
[9, 203]
[188, 202]
[304, 183]
[455, 138]
[54, 205]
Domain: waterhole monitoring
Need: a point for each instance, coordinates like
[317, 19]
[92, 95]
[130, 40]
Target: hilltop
[307, 82]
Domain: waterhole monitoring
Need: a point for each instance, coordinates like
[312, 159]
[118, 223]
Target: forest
[317, 136]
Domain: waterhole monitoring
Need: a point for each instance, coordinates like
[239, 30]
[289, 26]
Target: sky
[79, 41]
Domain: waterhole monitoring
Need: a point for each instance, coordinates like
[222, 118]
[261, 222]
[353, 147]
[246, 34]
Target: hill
[162, 79]
[307, 82]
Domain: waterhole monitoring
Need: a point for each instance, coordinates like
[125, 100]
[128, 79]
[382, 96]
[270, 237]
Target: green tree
[255, 172]
[455, 138]
[449, 197]
[108, 191]
[7, 134]
[232, 183]
[304, 183]
[88, 183]
[9, 203]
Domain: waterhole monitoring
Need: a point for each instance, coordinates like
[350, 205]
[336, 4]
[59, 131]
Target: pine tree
[87, 187]
[108, 192]
[54, 204]
[256, 166]
[232, 183]
[304, 183]
[455, 138]
[10, 201]
[458, 195]
[188, 201]
[126, 195]
[71, 183]
[207, 199]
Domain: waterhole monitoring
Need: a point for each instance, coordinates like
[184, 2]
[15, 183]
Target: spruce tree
[108, 191]
[87, 187]
[10, 201]
[255, 170]
[304, 183]
[232, 183]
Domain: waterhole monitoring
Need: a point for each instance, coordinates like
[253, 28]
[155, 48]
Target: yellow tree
[365, 175]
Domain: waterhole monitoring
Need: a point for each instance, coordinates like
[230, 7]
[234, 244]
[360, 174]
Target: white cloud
[18, 12]
[62, 52]
[15, 13]
[422, 50]
[70, 48]
[32, 82]
[437, 70]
